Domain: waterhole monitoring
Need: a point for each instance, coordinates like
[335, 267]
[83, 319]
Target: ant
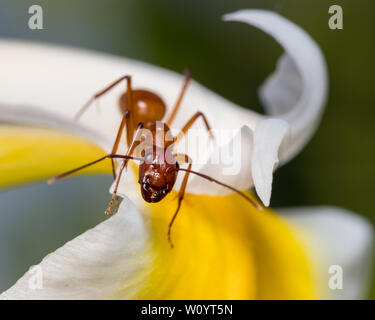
[143, 109]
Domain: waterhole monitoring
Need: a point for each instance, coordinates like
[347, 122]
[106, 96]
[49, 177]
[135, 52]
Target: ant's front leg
[123, 166]
[183, 158]
[120, 130]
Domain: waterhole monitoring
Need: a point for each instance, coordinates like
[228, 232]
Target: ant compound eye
[148, 157]
[146, 187]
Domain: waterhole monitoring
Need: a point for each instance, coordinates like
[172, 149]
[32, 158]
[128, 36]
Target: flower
[224, 248]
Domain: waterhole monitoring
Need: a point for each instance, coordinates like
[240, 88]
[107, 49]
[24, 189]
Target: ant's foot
[110, 205]
[117, 205]
[170, 242]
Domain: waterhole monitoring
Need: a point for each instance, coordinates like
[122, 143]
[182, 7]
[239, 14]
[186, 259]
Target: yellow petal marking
[225, 249]
[34, 153]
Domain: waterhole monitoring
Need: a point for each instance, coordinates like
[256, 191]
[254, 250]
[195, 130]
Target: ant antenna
[253, 202]
[110, 156]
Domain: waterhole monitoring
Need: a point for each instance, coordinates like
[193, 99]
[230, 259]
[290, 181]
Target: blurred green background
[233, 59]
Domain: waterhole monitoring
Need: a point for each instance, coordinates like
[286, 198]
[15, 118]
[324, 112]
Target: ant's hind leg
[183, 158]
[102, 92]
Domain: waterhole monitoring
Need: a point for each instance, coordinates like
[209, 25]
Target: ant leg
[190, 123]
[100, 93]
[123, 166]
[110, 156]
[117, 141]
[179, 100]
[185, 159]
[243, 195]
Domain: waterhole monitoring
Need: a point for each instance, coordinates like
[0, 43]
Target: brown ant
[145, 109]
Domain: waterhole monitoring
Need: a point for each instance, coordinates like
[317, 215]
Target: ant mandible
[145, 109]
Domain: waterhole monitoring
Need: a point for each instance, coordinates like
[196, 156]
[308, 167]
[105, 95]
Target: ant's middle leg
[187, 126]
[183, 158]
[104, 91]
[180, 97]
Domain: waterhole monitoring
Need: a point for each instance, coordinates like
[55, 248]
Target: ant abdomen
[147, 106]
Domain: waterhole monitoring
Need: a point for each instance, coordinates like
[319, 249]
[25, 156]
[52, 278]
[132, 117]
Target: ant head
[157, 176]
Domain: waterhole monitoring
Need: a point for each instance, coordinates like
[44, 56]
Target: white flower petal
[61, 80]
[281, 91]
[108, 261]
[28, 115]
[234, 170]
[297, 91]
[335, 236]
[268, 136]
